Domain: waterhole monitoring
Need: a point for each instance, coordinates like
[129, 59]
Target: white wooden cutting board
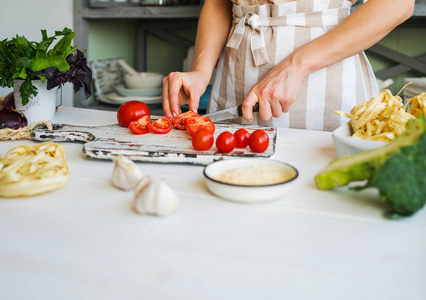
[107, 142]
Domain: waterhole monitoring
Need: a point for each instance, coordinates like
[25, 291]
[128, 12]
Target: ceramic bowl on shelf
[144, 80]
[278, 177]
[123, 91]
[346, 144]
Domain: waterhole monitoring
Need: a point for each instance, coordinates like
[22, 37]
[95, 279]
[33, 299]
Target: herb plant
[27, 60]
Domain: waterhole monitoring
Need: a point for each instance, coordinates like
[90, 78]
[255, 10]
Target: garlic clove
[154, 197]
[142, 184]
[126, 174]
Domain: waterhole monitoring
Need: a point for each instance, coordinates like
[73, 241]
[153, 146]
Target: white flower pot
[42, 107]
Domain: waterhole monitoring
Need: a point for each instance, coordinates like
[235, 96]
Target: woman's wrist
[203, 74]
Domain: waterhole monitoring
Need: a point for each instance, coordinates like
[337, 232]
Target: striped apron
[263, 34]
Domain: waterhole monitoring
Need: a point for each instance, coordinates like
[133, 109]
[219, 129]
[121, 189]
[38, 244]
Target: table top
[84, 241]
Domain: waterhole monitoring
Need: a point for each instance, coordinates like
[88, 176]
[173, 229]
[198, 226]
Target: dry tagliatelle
[417, 105]
[382, 118]
[29, 170]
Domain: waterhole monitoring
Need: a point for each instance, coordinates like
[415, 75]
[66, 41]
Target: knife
[229, 113]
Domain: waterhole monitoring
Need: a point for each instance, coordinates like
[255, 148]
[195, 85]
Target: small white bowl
[248, 193]
[138, 92]
[145, 80]
[346, 144]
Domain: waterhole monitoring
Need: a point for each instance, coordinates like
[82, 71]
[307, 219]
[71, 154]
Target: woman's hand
[275, 92]
[183, 88]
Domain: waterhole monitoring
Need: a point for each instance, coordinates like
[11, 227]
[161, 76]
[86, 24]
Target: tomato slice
[179, 121]
[161, 126]
[193, 124]
[140, 126]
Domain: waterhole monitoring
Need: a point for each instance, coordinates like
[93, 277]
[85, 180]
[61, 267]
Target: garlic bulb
[154, 197]
[126, 174]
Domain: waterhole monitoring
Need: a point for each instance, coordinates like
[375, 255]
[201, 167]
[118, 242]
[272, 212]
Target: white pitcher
[42, 107]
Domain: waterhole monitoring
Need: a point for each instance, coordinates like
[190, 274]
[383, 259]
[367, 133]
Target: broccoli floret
[398, 170]
[401, 180]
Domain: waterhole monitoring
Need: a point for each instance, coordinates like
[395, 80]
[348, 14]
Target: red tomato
[179, 120]
[140, 126]
[202, 140]
[226, 142]
[162, 125]
[131, 111]
[193, 124]
[258, 141]
[242, 136]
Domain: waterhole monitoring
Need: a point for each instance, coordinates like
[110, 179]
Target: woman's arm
[363, 28]
[212, 31]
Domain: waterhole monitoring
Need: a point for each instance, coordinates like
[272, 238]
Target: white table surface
[84, 241]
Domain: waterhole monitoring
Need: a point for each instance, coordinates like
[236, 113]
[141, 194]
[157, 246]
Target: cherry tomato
[193, 124]
[242, 136]
[140, 126]
[258, 141]
[179, 121]
[162, 125]
[226, 142]
[202, 140]
[131, 111]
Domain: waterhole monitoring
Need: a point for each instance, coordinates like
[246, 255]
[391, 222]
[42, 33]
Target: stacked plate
[123, 94]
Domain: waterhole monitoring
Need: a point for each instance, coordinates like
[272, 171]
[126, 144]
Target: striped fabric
[263, 34]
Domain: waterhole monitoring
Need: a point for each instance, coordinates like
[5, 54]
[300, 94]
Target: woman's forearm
[363, 28]
[212, 31]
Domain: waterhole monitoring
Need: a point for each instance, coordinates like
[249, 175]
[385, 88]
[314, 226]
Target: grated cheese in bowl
[255, 175]
[250, 180]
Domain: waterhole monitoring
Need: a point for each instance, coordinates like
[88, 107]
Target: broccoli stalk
[397, 169]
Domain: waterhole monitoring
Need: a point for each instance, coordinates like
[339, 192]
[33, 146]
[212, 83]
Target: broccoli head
[397, 169]
[401, 179]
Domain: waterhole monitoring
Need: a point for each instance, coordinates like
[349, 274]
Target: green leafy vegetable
[397, 170]
[23, 59]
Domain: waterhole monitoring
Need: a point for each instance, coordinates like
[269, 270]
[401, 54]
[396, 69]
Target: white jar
[42, 107]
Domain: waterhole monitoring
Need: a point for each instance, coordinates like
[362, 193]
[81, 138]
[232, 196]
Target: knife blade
[229, 113]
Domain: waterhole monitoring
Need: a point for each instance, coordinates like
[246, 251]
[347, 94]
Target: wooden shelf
[419, 10]
[142, 12]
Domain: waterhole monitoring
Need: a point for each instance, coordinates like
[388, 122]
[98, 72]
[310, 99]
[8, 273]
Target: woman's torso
[337, 87]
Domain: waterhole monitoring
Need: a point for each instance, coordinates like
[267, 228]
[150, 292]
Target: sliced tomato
[131, 111]
[179, 121]
[140, 126]
[193, 124]
[161, 126]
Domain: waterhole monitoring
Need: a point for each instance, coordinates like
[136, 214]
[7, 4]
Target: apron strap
[251, 21]
[257, 40]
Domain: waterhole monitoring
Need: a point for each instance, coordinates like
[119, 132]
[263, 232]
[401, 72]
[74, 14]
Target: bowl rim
[252, 186]
[140, 74]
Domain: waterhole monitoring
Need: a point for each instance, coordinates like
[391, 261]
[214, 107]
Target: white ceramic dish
[248, 193]
[123, 91]
[345, 144]
[114, 98]
[145, 80]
